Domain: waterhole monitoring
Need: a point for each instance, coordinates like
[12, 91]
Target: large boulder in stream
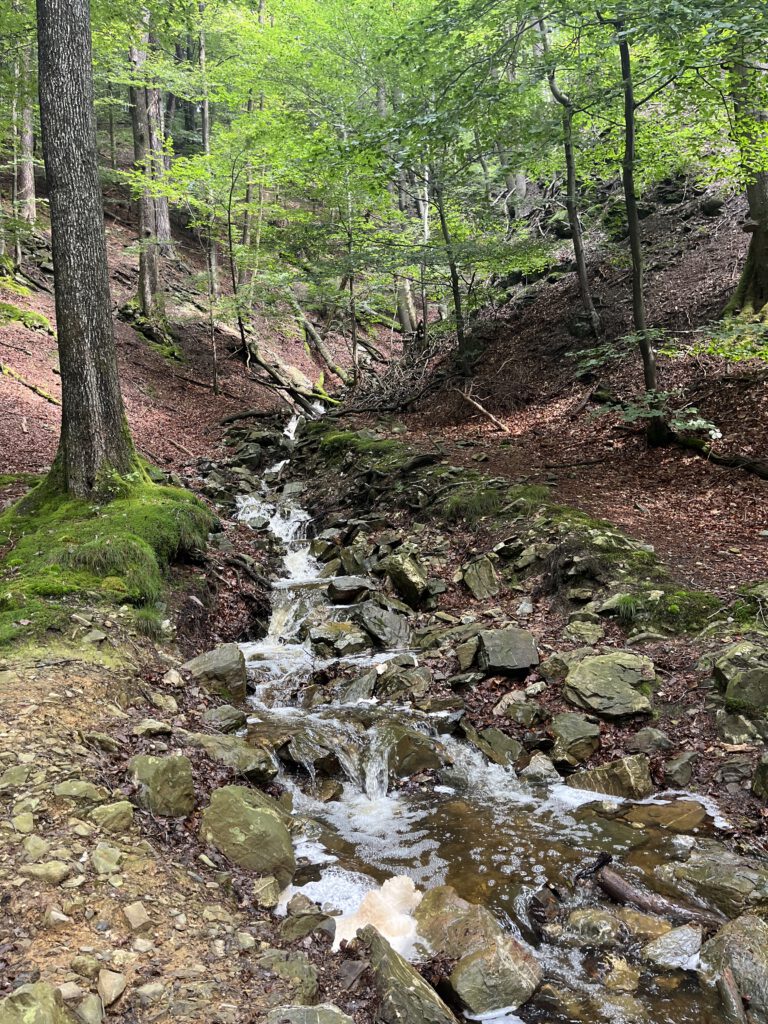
[506, 650]
[242, 825]
[411, 751]
[608, 684]
[494, 970]
[222, 671]
[628, 777]
[404, 996]
[350, 589]
[718, 877]
[388, 629]
[339, 638]
[741, 946]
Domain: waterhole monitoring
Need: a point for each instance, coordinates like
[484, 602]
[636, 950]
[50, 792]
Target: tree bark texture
[94, 434]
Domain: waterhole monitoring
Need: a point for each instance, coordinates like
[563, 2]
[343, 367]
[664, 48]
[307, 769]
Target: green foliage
[736, 339]
[55, 547]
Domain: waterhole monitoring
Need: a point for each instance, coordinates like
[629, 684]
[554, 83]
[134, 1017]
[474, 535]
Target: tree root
[757, 466]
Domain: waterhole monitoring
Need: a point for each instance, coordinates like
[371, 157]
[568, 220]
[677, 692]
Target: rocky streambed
[450, 779]
[466, 848]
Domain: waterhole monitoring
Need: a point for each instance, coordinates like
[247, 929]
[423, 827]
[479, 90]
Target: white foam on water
[506, 1015]
[390, 911]
[338, 891]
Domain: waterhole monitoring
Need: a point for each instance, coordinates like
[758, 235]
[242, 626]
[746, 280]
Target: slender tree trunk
[26, 186]
[211, 254]
[571, 200]
[657, 431]
[149, 276]
[111, 128]
[453, 269]
[95, 440]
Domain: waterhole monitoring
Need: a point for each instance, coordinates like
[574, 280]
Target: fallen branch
[8, 371]
[619, 889]
[181, 448]
[16, 348]
[483, 411]
[757, 466]
[249, 414]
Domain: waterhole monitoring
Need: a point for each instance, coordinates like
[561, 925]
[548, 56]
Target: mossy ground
[27, 318]
[53, 547]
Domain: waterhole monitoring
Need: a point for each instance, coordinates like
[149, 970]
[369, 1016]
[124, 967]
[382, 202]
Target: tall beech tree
[95, 442]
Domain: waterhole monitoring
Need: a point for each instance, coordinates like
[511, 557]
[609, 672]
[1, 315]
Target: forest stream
[496, 839]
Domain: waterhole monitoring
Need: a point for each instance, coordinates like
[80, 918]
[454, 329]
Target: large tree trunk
[95, 441]
[751, 295]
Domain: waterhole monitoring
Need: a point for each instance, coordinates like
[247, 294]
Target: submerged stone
[678, 949]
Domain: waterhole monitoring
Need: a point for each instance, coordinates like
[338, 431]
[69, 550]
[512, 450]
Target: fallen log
[483, 411]
[8, 371]
[623, 891]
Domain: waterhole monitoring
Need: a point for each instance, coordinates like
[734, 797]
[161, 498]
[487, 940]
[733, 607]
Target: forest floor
[710, 524]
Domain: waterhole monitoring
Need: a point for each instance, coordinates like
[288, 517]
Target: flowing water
[481, 829]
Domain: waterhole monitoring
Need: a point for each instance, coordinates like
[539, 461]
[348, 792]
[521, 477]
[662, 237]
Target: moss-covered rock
[164, 785]
[249, 834]
[608, 684]
[35, 1004]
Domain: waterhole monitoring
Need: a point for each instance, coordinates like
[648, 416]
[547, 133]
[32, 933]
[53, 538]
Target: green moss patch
[53, 547]
[33, 321]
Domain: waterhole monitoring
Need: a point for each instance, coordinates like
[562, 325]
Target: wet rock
[540, 771]
[678, 770]
[339, 638]
[253, 763]
[606, 684]
[731, 883]
[222, 671]
[493, 969]
[388, 629]
[35, 1004]
[115, 818]
[248, 833]
[648, 741]
[622, 977]
[742, 947]
[680, 816]
[326, 1013]
[576, 738]
[591, 926]
[480, 578]
[165, 785]
[411, 752]
[496, 745]
[678, 949]
[625, 777]
[110, 986]
[225, 718]
[643, 926]
[760, 779]
[404, 996]
[350, 589]
[506, 650]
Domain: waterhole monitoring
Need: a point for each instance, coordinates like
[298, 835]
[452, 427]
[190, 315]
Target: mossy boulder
[164, 785]
[221, 671]
[404, 996]
[626, 777]
[248, 833]
[35, 1004]
[609, 684]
